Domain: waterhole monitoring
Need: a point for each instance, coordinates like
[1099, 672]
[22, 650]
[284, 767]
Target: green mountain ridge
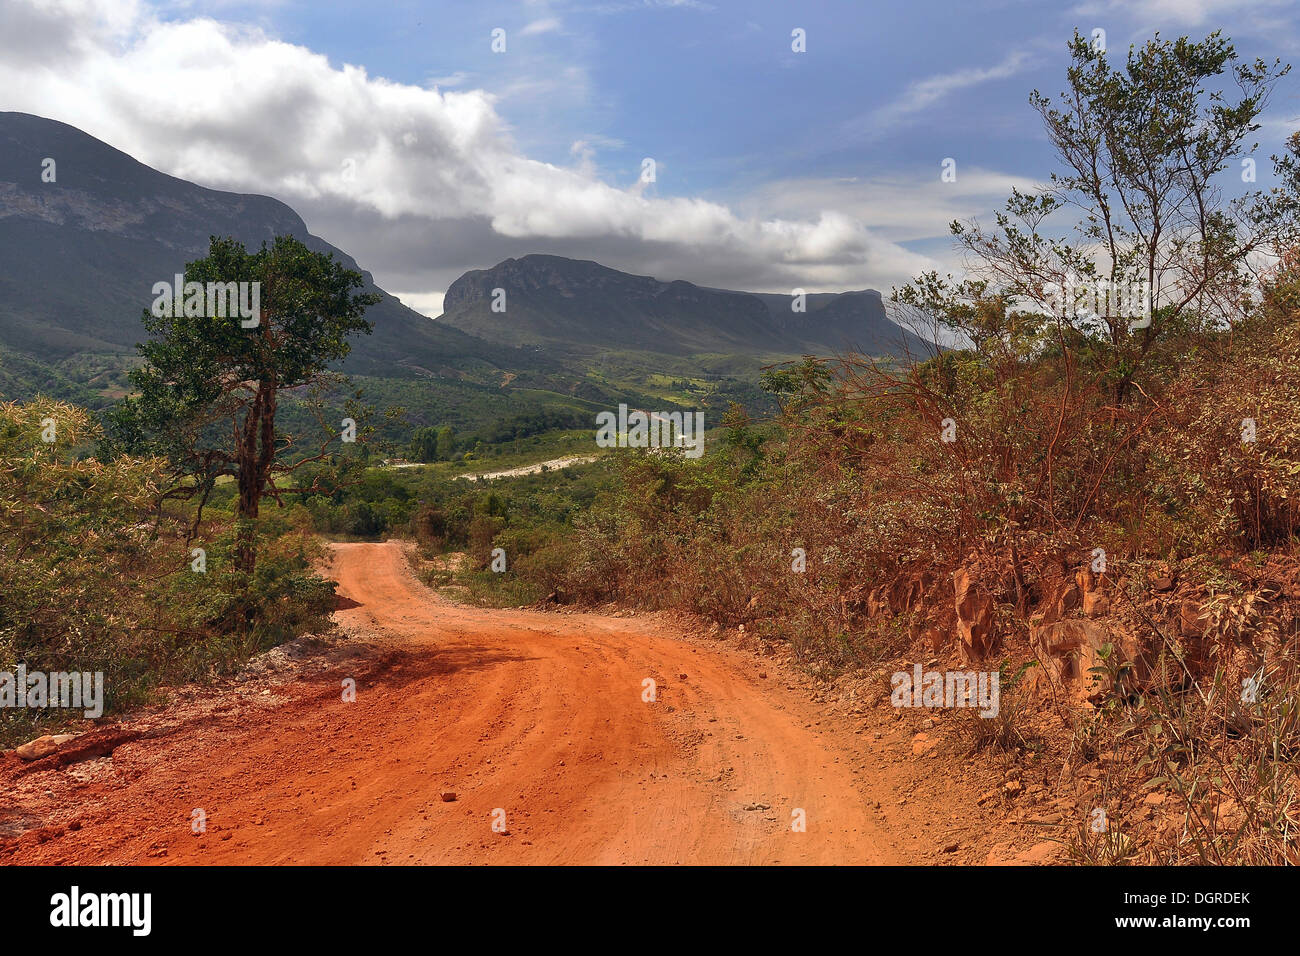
[79, 257]
[547, 301]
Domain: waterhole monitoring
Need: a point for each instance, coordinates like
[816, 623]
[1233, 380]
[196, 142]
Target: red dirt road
[534, 716]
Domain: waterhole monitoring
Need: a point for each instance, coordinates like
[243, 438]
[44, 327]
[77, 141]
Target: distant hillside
[551, 300]
[78, 258]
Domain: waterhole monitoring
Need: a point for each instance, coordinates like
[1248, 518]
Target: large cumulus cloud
[418, 183]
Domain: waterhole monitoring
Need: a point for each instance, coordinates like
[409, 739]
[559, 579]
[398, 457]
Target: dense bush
[97, 577]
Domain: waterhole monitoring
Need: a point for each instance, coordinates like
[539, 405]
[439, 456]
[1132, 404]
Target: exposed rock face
[1190, 622]
[1096, 604]
[1065, 598]
[1086, 580]
[975, 627]
[877, 602]
[1075, 658]
[908, 593]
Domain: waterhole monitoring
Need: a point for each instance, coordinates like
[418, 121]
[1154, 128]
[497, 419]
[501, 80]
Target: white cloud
[1193, 13]
[426, 303]
[459, 78]
[901, 206]
[622, 6]
[1276, 129]
[545, 25]
[584, 151]
[232, 107]
[922, 94]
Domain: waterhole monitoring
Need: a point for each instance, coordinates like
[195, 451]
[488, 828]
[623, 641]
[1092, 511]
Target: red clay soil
[535, 719]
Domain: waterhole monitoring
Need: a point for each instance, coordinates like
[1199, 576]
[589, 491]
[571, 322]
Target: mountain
[79, 256]
[554, 301]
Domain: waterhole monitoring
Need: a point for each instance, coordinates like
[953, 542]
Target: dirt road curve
[536, 716]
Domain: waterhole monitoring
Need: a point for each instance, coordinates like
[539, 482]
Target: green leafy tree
[446, 442]
[424, 445]
[1141, 145]
[432, 444]
[209, 388]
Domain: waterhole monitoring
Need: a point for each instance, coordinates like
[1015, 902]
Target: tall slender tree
[1144, 145]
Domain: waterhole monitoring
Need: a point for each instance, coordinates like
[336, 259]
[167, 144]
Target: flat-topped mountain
[551, 300]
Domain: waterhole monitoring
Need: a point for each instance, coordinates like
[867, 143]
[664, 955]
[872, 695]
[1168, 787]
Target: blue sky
[773, 168]
[715, 90]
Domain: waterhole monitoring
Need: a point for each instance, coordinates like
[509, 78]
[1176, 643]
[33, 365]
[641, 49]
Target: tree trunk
[254, 464]
[246, 522]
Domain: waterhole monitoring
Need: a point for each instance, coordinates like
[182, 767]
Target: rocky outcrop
[1083, 658]
[976, 634]
[42, 746]
[1095, 604]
